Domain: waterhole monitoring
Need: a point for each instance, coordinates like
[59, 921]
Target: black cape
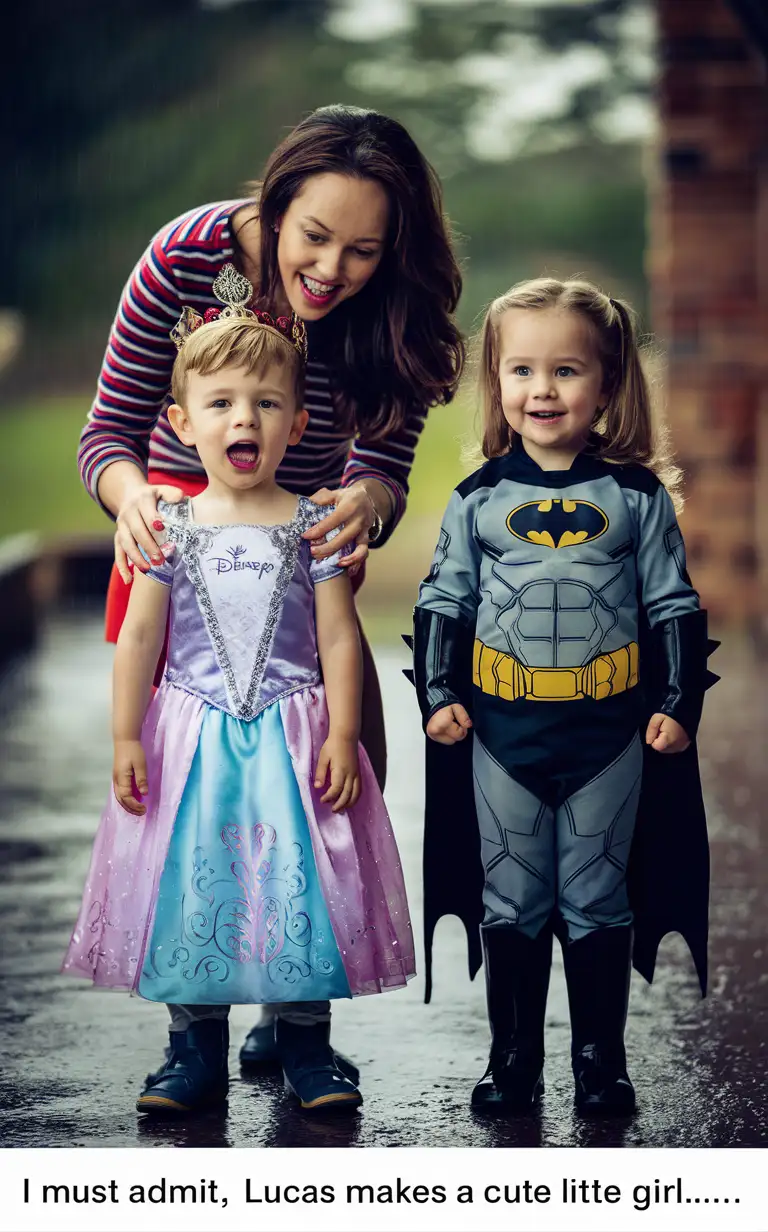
[667, 874]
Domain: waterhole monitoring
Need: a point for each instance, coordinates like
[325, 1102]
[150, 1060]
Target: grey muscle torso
[550, 566]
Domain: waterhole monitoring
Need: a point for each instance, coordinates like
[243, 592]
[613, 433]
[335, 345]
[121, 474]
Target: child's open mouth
[546, 415]
[318, 293]
[244, 455]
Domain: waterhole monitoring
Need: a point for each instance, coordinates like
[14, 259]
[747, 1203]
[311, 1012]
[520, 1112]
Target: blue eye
[522, 370]
[220, 404]
[565, 370]
[266, 404]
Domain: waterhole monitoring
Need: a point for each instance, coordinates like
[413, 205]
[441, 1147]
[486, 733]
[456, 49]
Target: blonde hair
[235, 342]
[624, 431]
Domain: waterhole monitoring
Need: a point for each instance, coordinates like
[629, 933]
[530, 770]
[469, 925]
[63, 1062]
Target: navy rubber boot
[195, 1076]
[310, 1068]
[597, 972]
[258, 1055]
[517, 981]
[155, 1075]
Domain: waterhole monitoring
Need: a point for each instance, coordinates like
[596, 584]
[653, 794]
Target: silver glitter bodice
[242, 629]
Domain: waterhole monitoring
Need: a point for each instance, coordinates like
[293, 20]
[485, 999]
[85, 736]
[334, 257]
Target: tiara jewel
[234, 290]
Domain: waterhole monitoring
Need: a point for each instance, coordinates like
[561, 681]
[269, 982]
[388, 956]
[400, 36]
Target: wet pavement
[73, 1058]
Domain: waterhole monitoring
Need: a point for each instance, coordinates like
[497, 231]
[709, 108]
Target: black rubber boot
[516, 980]
[310, 1069]
[196, 1074]
[258, 1055]
[597, 972]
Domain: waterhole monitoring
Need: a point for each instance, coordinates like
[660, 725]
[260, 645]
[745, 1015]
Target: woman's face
[330, 242]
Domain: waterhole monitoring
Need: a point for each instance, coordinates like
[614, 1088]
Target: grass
[38, 471]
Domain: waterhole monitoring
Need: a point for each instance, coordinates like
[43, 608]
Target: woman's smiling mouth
[319, 293]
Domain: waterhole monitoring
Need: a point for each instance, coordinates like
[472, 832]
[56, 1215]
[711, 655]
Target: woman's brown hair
[624, 429]
[393, 347]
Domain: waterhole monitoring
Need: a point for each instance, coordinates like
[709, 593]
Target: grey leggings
[301, 1013]
[573, 857]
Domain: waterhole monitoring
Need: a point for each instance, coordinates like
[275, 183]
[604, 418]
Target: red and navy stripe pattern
[128, 419]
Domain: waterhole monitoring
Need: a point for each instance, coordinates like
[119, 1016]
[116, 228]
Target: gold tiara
[234, 291]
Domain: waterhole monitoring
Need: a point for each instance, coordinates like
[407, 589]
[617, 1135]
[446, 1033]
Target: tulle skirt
[239, 886]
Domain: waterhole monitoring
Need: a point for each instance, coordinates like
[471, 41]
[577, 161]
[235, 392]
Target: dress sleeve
[389, 461]
[451, 588]
[161, 573]
[136, 373]
[328, 567]
[665, 587]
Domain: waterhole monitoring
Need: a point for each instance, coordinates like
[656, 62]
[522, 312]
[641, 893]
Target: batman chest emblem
[557, 523]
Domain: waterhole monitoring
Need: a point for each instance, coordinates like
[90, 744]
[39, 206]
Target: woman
[346, 229]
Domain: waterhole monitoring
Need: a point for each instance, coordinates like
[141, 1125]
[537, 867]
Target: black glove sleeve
[680, 651]
[442, 661]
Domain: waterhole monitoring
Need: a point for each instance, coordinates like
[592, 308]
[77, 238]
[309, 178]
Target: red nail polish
[158, 525]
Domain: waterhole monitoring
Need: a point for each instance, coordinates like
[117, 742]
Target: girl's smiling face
[551, 381]
[331, 240]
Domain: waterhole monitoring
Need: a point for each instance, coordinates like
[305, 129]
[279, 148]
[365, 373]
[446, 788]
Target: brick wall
[708, 265]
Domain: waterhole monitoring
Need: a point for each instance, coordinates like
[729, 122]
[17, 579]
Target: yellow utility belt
[502, 675]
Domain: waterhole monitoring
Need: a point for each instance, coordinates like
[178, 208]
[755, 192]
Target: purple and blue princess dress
[239, 885]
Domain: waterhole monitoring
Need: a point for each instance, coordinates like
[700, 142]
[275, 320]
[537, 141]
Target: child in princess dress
[246, 856]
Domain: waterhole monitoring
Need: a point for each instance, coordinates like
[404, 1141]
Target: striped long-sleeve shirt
[128, 419]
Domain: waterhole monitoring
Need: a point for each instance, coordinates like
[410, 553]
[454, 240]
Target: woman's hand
[355, 508]
[449, 725]
[666, 735]
[136, 519]
[129, 775]
[338, 757]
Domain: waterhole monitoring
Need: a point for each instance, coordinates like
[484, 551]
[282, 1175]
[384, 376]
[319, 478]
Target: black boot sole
[598, 1111]
[501, 1103]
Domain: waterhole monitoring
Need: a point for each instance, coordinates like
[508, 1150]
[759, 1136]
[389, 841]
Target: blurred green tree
[490, 78]
[77, 70]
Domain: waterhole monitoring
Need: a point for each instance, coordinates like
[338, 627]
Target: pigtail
[626, 424]
[631, 428]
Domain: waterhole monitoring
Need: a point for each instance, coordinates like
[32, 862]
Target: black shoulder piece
[635, 477]
[487, 476]
[442, 661]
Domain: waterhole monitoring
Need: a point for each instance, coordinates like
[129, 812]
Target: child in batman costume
[560, 661]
